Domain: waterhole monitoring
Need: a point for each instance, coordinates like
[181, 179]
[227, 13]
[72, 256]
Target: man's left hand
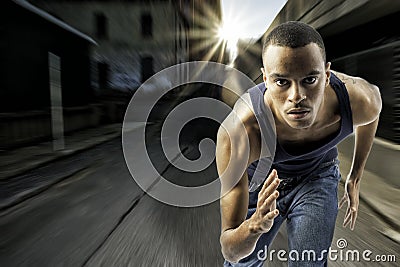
[351, 196]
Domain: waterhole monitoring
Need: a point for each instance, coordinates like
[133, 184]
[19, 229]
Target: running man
[314, 108]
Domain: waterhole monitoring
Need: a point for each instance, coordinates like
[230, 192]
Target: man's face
[296, 79]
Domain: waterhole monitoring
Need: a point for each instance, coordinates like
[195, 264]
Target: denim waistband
[290, 182]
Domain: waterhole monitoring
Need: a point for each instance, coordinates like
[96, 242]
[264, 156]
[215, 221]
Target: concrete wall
[18, 129]
[333, 16]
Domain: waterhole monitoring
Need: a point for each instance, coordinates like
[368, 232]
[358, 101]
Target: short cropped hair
[293, 34]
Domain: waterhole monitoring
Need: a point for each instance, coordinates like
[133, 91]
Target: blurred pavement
[14, 163]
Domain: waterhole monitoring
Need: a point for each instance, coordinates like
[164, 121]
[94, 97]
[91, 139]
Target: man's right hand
[263, 218]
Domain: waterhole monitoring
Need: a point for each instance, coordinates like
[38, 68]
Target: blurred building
[30, 34]
[100, 46]
[204, 19]
[361, 39]
[30, 38]
[136, 38]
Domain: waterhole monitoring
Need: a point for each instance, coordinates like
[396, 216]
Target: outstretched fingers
[269, 204]
[268, 195]
[270, 185]
[272, 214]
[344, 199]
[350, 216]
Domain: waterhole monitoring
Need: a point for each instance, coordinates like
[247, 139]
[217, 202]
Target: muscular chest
[301, 142]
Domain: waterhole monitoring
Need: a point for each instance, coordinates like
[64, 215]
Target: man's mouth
[298, 113]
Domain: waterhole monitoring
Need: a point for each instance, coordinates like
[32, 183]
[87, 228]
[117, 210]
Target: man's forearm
[239, 242]
[364, 138]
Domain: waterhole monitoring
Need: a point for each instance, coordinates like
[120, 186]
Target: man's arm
[234, 152]
[364, 136]
[366, 105]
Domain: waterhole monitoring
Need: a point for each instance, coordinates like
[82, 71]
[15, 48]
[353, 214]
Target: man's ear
[328, 72]
[264, 75]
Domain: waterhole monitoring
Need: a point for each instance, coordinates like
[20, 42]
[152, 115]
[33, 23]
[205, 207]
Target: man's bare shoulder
[240, 129]
[240, 124]
[242, 114]
[365, 98]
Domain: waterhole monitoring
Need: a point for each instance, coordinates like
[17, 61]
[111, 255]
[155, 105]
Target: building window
[103, 73]
[147, 25]
[146, 63]
[101, 26]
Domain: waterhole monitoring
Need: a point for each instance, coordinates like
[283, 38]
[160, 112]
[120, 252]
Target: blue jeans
[310, 206]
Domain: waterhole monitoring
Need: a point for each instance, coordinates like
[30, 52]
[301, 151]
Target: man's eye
[310, 80]
[281, 82]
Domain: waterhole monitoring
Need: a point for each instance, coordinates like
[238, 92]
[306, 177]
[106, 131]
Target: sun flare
[230, 31]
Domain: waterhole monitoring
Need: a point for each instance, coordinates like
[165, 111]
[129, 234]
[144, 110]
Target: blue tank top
[289, 165]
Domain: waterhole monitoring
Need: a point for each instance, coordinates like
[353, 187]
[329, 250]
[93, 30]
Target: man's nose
[296, 94]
